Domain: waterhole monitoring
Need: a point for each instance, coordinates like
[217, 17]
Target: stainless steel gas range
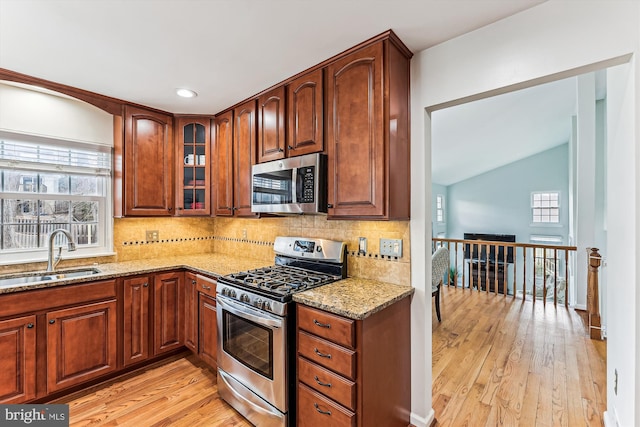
[256, 327]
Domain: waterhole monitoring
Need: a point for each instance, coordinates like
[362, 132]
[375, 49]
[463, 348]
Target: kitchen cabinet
[305, 114]
[367, 98]
[136, 319]
[148, 163]
[208, 339]
[18, 360]
[193, 146]
[244, 156]
[191, 312]
[167, 312]
[223, 171]
[271, 125]
[207, 321]
[81, 344]
[345, 377]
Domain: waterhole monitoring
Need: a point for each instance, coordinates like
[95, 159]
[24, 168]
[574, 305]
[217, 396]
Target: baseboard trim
[418, 421]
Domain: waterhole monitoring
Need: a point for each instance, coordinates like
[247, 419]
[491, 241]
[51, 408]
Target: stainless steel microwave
[297, 185]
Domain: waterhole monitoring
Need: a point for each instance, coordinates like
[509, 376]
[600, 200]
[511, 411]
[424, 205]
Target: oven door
[252, 349]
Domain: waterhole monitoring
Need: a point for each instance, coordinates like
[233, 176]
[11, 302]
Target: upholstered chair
[439, 267]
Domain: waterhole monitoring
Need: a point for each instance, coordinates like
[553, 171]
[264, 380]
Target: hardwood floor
[504, 362]
[181, 391]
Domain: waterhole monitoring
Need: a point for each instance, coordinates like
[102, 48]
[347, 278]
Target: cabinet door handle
[29, 325]
[321, 383]
[169, 209]
[291, 147]
[52, 321]
[322, 325]
[146, 285]
[328, 356]
[193, 282]
[320, 410]
[280, 150]
[329, 206]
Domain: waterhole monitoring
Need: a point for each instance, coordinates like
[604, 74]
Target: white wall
[46, 114]
[553, 40]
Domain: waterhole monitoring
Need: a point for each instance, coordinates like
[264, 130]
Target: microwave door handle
[294, 185]
[243, 312]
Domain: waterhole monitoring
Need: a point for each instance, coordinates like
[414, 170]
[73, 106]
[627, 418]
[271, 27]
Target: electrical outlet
[391, 247]
[244, 234]
[152, 236]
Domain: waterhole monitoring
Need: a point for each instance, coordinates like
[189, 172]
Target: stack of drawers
[327, 369]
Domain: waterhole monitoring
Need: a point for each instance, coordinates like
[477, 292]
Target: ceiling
[225, 50]
[479, 136]
[229, 50]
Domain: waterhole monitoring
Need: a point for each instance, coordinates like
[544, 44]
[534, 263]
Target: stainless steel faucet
[51, 263]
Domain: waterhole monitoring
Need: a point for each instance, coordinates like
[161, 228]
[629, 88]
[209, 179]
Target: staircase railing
[525, 270]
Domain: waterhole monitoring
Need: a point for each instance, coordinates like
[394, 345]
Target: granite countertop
[354, 298]
[212, 265]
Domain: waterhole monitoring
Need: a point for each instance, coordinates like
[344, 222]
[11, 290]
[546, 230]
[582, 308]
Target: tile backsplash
[254, 238]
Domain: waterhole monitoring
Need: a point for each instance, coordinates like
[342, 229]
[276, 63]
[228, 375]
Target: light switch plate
[391, 247]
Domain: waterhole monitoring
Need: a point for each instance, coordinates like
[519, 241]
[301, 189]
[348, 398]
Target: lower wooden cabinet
[208, 337]
[18, 360]
[167, 312]
[191, 312]
[81, 344]
[136, 319]
[354, 373]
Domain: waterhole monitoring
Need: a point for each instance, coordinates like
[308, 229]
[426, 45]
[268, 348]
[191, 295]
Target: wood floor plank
[506, 362]
[180, 391]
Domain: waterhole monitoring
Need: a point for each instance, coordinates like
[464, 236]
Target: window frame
[440, 209]
[104, 196]
[532, 201]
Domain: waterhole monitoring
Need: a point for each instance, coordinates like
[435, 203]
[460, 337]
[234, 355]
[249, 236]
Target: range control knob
[319, 249]
[266, 306]
[232, 293]
[258, 303]
[225, 291]
[244, 298]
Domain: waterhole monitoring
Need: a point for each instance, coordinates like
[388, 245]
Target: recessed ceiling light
[186, 93]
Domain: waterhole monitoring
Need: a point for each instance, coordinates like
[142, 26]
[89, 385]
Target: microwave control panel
[306, 177]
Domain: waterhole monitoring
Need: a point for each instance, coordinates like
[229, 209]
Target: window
[545, 207]
[440, 208]
[51, 185]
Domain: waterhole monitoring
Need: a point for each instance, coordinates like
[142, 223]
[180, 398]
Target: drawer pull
[328, 356]
[146, 285]
[321, 383]
[52, 321]
[322, 325]
[206, 288]
[29, 325]
[320, 410]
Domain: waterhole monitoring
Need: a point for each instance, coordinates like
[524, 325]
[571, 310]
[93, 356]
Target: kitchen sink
[21, 279]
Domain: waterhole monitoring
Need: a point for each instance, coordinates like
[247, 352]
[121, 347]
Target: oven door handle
[247, 312]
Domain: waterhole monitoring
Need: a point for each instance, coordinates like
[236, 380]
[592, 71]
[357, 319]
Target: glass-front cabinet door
[194, 171]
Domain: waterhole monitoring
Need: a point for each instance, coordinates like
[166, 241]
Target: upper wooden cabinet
[223, 170]
[193, 180]
[368, 132]
[244, 156]
[148, 163]
[271, 125]
[305, 114]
